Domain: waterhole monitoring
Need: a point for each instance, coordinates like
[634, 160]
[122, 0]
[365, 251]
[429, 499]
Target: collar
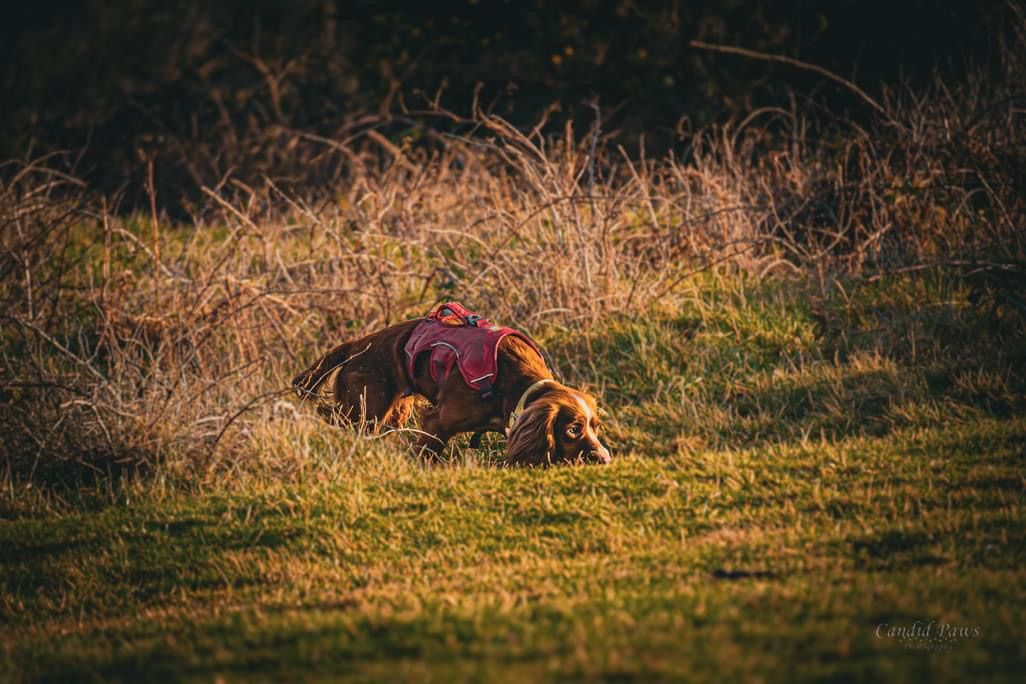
[523, 401]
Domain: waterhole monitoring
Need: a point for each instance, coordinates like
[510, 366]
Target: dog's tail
[307, 382]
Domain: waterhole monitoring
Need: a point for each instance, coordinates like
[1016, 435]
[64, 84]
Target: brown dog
[373, 380]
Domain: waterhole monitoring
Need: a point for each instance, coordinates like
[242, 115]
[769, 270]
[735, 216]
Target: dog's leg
[433, 439]
[399, 413]
[364, 396]
[449, 418]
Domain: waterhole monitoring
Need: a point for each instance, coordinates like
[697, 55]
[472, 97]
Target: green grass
[794, 471]
[773, 561]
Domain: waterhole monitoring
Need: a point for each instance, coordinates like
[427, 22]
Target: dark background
[201, 89]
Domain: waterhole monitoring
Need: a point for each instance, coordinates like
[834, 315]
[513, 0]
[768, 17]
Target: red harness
[457, 337]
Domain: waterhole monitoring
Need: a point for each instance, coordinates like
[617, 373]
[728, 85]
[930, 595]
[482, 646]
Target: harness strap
[523, 402]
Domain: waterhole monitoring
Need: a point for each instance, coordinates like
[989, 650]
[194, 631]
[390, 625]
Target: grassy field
[776, 563]
[797, 477]
[807, 331]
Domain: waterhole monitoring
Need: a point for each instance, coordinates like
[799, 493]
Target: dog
[477, 376]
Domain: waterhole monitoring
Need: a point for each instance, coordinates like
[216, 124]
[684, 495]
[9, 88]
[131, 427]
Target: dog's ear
[532, 442]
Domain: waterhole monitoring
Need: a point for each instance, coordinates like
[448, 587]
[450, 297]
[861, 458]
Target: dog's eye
[574, 431]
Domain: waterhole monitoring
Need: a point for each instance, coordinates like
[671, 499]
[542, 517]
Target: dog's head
[561, 425]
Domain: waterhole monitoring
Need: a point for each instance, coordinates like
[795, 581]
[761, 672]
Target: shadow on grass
[76, 560]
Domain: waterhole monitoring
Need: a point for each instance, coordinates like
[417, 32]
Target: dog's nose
[601, 454]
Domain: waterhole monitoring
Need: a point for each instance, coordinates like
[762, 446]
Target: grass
[794, 472]
[772, 562]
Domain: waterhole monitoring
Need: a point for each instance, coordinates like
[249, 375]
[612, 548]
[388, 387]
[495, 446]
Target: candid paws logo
[927, 636]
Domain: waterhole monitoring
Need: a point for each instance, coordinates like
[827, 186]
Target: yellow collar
[523, 401]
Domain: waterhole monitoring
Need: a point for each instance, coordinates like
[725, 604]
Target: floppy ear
[531, 441]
